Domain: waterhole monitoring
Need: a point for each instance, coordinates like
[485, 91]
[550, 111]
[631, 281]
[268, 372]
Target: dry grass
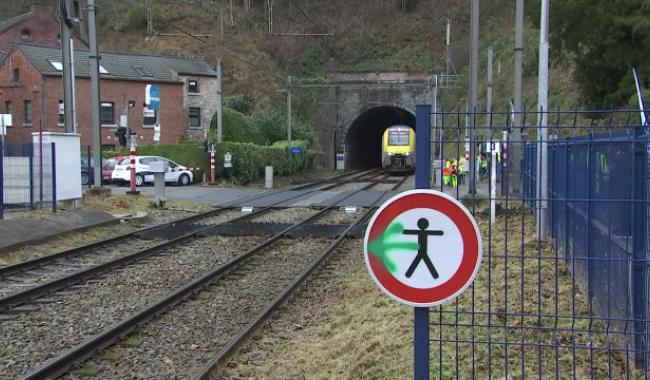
[514, 299]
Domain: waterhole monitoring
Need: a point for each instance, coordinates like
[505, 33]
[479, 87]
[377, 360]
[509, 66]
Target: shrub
[236, 127]
[189, 154]
[236, 102]
[249, 160]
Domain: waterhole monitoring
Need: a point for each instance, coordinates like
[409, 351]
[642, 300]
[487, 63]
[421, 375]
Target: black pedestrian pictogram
[423, 237]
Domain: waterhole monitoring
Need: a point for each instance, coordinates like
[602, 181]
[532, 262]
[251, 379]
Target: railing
[563, 288]
[27, 176]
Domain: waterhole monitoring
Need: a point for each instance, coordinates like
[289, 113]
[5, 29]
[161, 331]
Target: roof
[8, 23]
[122, 66]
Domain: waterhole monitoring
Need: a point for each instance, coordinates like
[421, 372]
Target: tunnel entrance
[363, 139]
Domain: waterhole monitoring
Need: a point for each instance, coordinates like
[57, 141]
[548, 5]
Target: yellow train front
[398, 149]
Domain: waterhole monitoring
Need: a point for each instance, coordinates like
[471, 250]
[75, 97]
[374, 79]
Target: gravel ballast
[287, 215]
[37, 336]
[182, 340]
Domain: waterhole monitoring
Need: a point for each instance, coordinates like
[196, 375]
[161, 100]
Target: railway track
[30, 280]
[206, 283]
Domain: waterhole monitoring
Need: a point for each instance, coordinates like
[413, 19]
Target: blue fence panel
[592, 181]
[529, 174]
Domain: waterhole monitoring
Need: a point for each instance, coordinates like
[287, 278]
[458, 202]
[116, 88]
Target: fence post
[31, 176]
[422, 181]
[639, 264]
[91, 179]
[53, 178]
[2, 174]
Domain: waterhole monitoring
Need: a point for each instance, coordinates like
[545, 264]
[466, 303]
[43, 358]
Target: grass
[508, 314]
[109, 354]
[88, 370]
[131, 342]
[133, 203]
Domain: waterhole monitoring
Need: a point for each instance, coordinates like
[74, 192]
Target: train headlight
[389, 153]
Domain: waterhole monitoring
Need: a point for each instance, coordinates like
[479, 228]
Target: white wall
[68, 162]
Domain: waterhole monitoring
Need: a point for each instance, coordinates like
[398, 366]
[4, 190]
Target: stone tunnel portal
[363, 139]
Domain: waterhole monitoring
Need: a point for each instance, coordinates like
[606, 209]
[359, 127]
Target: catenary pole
[94, 94]
[542, 123]
[289, 110]
[516, 143]
[473, 93]
[493, 153]
[219, 104]
[66, 34]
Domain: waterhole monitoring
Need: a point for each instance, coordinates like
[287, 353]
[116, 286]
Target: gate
[573, 304]
[27, 176]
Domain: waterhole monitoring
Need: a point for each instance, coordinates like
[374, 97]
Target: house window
[25, 34]
[16, 76]
[108, 148]
[148, 117]
[107, 113]
[195, 117]
[8, 109]
[58, 66]
[61, 113]
[28, 113]
[193, 87]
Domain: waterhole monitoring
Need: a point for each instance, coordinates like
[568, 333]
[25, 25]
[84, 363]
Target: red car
[108, 164]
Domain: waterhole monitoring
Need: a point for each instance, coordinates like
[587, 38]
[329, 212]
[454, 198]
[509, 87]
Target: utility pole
[93, 58]
[289, 110]
[516, 145]
[68, 21]
[542, 123]
[219, 104]
[473, 94]
[493, 152]
[149, 5]
[490, 84]
[448, 48]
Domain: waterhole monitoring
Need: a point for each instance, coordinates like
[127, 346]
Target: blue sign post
[422, 181]
[152, 97]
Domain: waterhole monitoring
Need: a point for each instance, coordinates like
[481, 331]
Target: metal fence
[572, 303]
[27, 176]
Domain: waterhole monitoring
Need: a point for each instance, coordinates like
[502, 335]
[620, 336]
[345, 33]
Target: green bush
[189, 154]
[249, 160]
[269, 123]
[236, 127]
[236, 102]
[264, 126]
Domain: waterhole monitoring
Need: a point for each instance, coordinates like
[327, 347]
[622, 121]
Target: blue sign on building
[152, 97]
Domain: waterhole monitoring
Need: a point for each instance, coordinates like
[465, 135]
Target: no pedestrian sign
[423, 248]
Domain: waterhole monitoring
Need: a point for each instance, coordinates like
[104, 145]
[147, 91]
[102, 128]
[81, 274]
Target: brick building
[38, 25]
[31, 90]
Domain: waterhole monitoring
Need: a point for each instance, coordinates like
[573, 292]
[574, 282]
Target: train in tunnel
[398, 149]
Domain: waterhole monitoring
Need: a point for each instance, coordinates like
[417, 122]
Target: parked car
[175, 173]
[87, 171]
[108, 165]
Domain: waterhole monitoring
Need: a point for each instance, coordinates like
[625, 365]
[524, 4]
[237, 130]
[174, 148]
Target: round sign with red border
[423, 248]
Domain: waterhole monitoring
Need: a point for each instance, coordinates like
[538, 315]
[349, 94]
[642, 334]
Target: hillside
[366, 35]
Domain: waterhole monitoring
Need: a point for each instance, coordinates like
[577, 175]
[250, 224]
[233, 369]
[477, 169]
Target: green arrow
[382, 246]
